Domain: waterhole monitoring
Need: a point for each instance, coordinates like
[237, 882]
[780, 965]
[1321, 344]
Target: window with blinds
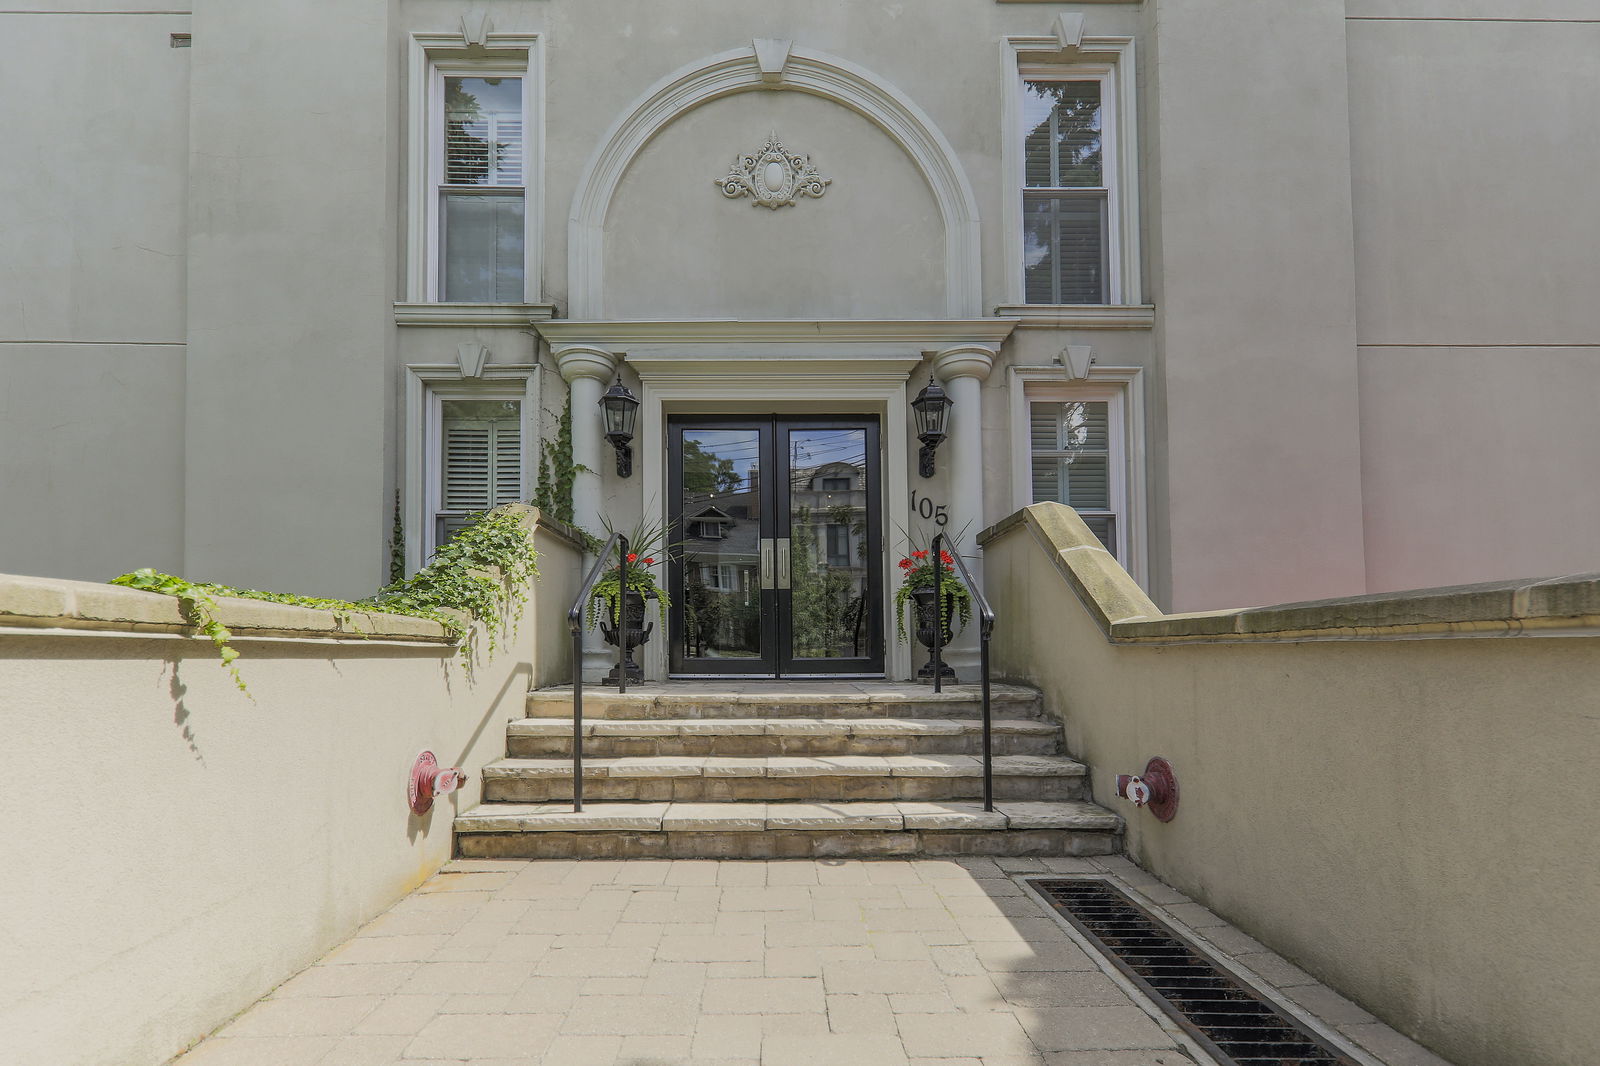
[480, 460]
[1065, 199]
[482, 194]
[1072, 462]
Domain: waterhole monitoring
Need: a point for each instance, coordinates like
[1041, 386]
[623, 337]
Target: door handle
[783, 562]
[766, 564]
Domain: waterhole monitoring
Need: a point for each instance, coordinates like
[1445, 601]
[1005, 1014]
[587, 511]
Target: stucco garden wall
[179, 848]
[1402, 810]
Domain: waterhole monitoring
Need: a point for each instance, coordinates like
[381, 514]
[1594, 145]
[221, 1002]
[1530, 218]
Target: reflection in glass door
[778, 565]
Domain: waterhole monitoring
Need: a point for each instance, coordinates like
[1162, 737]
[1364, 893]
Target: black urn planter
[927, 619]
[637, 632]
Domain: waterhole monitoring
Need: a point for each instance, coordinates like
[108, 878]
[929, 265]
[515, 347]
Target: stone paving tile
[365, 1051]
[303, 1017]
[834, 1049]
[258, 1051]
[467, 1036]
[740, 963]
[1092, 1028]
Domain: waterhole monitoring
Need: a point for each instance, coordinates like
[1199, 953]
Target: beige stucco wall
[872, 246]
[1407, 819]
[1257, 448]
[289, 478]
[184, 847]
[1473, 157]
[92, 271]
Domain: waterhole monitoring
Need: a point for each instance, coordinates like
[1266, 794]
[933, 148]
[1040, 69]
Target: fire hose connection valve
[428, 780]
[1156, 788]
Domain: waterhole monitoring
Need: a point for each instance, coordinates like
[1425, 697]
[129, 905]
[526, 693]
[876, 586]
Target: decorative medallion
[773, 177]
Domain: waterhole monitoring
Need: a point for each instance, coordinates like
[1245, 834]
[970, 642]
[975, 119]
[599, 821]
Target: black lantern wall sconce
[620, 408]
[932, 408]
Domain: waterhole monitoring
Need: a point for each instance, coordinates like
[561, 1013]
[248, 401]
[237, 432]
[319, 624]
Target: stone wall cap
[56, 603]
[1566, 605]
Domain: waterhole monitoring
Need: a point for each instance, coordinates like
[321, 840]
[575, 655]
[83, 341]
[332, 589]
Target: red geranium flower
[944, 556]
[919, 555]
[649, 560]
[905, 564]
[633, 557]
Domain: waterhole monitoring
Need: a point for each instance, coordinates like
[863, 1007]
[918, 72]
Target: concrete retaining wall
[1402, 810]
[179, 848]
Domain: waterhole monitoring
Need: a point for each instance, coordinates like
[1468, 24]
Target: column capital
[964, 361]
[585, 361]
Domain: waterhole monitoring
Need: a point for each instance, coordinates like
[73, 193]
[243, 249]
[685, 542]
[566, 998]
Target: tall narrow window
[1072, 462]
[482, 191]
[1065, 197]
[480, 462]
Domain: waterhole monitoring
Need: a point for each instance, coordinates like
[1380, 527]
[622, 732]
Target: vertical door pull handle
[783, 562]
[766, 564]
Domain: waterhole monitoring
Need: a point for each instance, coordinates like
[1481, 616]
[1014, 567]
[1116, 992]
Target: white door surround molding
[775, 65]
[779, 367]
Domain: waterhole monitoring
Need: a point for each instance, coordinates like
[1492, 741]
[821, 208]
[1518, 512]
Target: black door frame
[773, 432]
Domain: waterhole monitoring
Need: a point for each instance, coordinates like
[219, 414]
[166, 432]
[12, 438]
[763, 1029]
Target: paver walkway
[716, 963]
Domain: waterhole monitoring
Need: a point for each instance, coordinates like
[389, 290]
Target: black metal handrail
[985, 631]
[575, 624]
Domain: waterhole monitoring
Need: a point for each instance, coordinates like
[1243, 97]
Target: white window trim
[427, 384]
[1122, 388]
[431, 57]
[1110, 61]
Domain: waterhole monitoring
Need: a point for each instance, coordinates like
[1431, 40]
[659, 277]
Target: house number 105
[926, 508]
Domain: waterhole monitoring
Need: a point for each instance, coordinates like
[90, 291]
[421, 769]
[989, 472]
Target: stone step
[785, 830]
[530, 737]
[878, 699]
[824, 778]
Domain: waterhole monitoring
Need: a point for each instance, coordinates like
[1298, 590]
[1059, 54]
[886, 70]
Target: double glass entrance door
[777, 569]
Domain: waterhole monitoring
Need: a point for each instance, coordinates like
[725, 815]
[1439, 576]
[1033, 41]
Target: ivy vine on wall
[456, 582]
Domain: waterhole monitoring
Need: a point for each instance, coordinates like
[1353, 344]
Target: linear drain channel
[1227, 1018]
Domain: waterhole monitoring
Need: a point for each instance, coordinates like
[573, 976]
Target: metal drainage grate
[1227, 1018]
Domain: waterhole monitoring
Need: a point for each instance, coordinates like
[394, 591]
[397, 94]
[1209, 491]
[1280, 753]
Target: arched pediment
[774, 66]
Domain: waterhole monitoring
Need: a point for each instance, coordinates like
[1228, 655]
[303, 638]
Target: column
[587, 371]
[962, 371]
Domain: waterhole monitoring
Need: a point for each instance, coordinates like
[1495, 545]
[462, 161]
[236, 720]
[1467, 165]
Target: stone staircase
[785, 770]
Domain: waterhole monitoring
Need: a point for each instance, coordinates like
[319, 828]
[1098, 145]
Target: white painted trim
[472, 315]
[425, 385]
[807, 71]
[514, 55]
[868, 386]
[918, 334]
[1109, 60]
[1124, 387]
[1080, 316]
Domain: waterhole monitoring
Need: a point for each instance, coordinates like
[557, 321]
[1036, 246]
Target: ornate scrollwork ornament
[773, 177]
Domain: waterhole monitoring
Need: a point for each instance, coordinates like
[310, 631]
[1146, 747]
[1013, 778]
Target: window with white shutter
[1074, 463]
[482, 191]
[1065, 198]
[480, 460]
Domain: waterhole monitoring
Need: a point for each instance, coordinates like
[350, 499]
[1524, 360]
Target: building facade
[1288, 300]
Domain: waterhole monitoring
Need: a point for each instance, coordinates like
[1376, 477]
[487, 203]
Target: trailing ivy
[198, 607]
[557, 471]
[456, 580]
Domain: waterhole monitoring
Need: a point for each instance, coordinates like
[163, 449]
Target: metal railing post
[938, 615]
[985, 632]
[575, 625]
[577, 721]
[622, 618]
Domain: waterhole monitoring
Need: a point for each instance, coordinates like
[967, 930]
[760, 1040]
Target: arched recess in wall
[774, 65]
